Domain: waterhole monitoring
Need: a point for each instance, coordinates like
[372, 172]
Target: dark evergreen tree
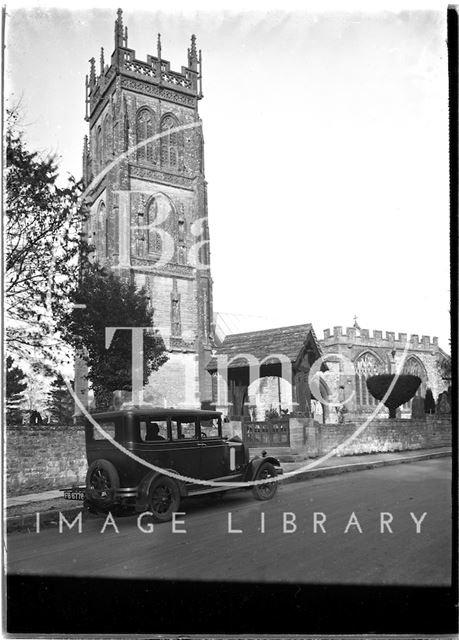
[60, 402]
[444, 368]
[16, 383]
[404, 388]
[111, 302]
[429, 402]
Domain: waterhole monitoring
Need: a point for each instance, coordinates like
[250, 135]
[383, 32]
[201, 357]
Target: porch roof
[281, 340]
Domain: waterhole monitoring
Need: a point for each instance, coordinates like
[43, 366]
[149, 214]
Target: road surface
[282, 549]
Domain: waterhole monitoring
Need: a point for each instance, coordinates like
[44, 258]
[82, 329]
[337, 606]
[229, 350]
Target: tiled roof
[281, 340]
[231, 323]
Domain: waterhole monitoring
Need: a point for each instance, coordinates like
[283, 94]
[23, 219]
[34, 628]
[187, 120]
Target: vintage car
[186, 443]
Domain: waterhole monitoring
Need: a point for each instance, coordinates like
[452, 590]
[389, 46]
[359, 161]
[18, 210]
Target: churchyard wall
[53, 457]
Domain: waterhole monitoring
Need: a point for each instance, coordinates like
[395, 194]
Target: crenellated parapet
[377, 338]
[152, 76]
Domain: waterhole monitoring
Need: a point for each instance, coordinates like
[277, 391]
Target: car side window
[209, 428]
[152, 430]
[183, 430]
[108, 427]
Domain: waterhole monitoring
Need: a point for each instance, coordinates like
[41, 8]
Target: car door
[185, 449]
[215, 460]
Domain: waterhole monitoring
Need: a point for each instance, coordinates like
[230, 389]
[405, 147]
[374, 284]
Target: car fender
[145, 485]
[255, 464]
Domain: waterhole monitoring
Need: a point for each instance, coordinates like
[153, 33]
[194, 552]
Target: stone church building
[143, 168]
[373, 353]
[349, 357]
[146, 199]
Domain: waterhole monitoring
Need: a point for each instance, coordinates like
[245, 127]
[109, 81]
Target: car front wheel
[265, 490]
[164, 499]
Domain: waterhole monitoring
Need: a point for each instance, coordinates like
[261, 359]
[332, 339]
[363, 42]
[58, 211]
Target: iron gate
[270, 433]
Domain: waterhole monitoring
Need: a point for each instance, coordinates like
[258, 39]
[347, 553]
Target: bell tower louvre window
[144, 131]
[169, 142]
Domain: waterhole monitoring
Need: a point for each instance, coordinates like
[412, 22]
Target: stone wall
[380, 436]
[44, 458]
[175, 384]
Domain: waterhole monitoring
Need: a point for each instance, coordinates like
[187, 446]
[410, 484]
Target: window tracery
[169, 142]
[144, 131]
[414, 367]
[366, 365]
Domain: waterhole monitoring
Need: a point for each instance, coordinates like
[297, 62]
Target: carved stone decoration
[176, 323]
[205, 314]
[138, 217]
[154, 244]
[146, 173]
[181, 254]
[171, 270]
[149, 289]
[181, 225]
[158, 92]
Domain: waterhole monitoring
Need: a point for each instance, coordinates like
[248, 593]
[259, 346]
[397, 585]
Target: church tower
[143, 166]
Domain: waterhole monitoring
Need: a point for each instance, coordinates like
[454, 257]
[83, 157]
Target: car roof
[158, 412]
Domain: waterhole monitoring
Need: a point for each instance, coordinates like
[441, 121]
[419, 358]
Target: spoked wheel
[265, 490]
[164, 499]
[101, 481]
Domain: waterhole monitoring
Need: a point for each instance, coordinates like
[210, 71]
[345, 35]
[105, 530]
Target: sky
[326, 148]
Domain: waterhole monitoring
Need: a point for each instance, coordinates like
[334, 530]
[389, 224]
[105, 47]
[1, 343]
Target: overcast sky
[326, 150]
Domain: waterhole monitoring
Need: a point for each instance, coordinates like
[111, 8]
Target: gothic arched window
[415, 367]
[169, 142]
[144, 130]
[366, 365]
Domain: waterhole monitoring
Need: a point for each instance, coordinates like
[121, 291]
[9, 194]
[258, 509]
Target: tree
[16, 383]
[404, 389]
[444, 368]
[38, 378]
[110, 302]
[42, 243]
[429, 402]
[60, 402]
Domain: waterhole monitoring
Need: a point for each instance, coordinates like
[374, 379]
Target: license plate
[74, 495]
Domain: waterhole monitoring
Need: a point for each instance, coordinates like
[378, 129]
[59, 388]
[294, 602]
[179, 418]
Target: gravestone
[417, 407]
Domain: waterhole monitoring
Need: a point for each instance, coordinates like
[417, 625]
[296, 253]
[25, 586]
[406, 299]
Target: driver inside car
[153, 432]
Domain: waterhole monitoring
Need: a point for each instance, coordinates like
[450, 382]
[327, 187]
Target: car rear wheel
[101, 481]
[164, 499]
[265, 490]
